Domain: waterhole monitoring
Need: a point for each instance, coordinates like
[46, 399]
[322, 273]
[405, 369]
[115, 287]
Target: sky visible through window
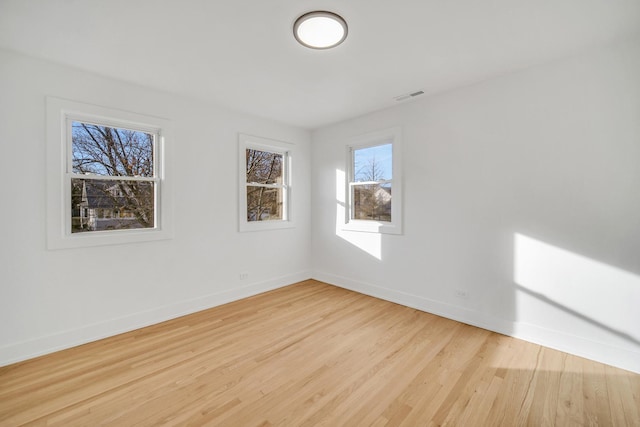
[110, 151]
[373, 163]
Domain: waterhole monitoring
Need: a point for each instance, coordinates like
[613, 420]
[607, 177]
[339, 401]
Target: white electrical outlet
[244, 275]
[461, 293]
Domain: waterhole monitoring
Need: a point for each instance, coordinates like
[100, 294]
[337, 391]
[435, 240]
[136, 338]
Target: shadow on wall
[598, 294]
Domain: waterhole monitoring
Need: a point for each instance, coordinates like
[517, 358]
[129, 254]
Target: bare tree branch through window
[265, 185]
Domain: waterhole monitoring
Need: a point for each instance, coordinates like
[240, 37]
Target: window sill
[372, 227]
[102, 238]
[265, 225]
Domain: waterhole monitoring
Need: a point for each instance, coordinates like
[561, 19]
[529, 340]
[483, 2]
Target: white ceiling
[242, 55]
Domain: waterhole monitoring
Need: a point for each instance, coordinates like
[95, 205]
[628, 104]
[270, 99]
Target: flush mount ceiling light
[320, 30]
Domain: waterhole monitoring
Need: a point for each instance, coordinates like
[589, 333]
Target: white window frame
[60, 114]
[391, 136]
[273, 146]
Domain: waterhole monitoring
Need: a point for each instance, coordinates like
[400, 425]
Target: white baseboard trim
[623, 358]
[25, 350]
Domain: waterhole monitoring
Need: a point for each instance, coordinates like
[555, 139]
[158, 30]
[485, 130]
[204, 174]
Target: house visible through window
[112, 178]
[372, 183]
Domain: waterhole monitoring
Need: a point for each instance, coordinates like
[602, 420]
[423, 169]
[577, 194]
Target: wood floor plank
[546, 388]
[311, 354]
[596, 398]
[624, 409]
[570, 410]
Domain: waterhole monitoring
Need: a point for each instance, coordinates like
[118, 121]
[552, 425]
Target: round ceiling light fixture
[320, 29]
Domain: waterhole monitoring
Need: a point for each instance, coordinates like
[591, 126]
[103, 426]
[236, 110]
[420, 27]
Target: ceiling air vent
[409, 95]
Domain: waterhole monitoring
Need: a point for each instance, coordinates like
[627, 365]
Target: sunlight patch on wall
[601, 295]
[371, 243]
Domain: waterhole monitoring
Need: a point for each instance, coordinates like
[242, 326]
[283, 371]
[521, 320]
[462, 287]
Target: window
[112, 176]
[374, 185]
[107, 182]
[372, 182]
[264, 183]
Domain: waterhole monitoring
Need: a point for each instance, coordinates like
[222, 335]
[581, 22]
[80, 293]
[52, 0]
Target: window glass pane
[372, 202]
[264, 167]
[264, 204]
[103, 150]
[98, 205]
[373, 163]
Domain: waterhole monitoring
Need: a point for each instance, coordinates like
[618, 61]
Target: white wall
[523, 192]
[55, 299]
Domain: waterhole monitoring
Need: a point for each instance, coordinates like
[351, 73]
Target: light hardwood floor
[312, 354]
